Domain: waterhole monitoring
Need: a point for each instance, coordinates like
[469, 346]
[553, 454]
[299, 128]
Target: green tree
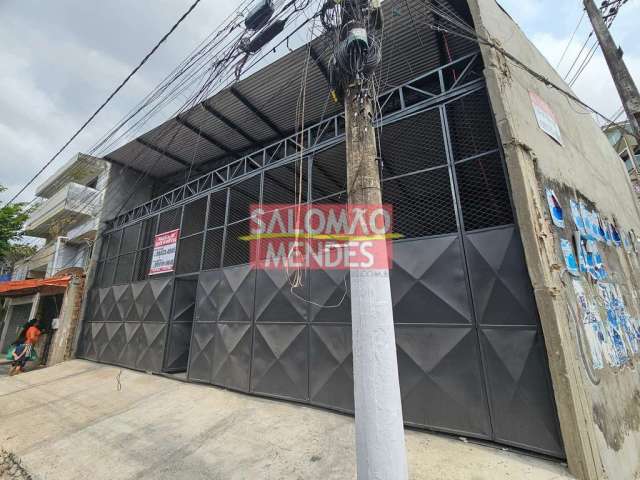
[12, 217]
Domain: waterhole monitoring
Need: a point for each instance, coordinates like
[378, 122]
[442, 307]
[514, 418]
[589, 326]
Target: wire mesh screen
[124, 268]
[241, 196]
[412, 144]
[422, 203]
[109, 269]
[193, 217]
[212, 249]
[471, 126]
[282, 184]
[143, 263]
[217, 208]
[114, 243]
[329, 172]
[483, 192]
[169, 220]
[189, 251]
[148, 232]
[130, 238]
[236, 251]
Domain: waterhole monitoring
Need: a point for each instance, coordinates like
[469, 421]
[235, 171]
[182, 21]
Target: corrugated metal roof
[410, 47]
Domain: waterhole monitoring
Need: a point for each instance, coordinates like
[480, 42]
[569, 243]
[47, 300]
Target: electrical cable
[566, 49]
[113, 94]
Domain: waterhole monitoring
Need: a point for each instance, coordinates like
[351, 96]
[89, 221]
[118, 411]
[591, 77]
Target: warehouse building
[472, 350]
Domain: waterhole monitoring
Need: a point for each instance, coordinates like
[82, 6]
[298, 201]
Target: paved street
[70, 421]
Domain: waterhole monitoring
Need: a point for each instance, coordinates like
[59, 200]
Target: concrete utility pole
[621, 77]
[380, 446]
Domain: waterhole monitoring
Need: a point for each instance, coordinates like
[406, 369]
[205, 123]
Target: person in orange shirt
[24, 345]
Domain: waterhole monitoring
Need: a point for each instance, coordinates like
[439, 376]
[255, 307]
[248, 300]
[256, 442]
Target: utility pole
[621, 77]
[380, 446]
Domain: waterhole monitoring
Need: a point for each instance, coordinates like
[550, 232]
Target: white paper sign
[545, 117]
[164, 252]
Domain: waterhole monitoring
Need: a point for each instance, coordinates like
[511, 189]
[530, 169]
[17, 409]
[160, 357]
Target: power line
[113, 94]
[571, 38]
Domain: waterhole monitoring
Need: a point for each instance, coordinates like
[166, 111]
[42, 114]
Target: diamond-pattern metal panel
[152, 299]
[440, 379]
[234, 294]
[129, 353]
[274, 301]
[177, 356]
[428, 282]
[327, 287]
[206, 300]
[124, 303]
[152, 342]
[201, 355]
[502, 291]
[519, 389]
[115, 342]
[331, 362]
[232, 355]
[280, 361]
[87, 348]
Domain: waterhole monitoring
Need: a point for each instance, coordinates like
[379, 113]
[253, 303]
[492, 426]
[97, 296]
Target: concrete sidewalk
[70, 421]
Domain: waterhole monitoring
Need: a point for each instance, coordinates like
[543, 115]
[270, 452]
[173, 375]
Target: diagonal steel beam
[265, 119]
[155, 148]
[232, 125]
[207, 137]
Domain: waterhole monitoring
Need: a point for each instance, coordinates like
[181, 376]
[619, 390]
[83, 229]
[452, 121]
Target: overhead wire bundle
[211, 66]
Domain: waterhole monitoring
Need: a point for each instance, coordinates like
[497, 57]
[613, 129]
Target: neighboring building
[49, 284]
[494, 340]
[66, 218]
[626, 144]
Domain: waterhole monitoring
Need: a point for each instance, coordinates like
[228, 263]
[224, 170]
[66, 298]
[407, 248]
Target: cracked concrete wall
[599, 412]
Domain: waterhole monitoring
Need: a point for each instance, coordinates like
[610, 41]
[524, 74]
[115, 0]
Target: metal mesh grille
[148, 232]
[217, 208]
[108, 271]
[143, 263]
[98, 275]
[193, 217]
[124, 269]
[212, 249]
[422, 203]
[114, 243]
[130, 238]
[329, 172]
[483, 193]
[412, 144]
[189, 252]
[242, 196]
[169, 220]
[236, 251]
[105, 246]
[471, 126]
[282, 183]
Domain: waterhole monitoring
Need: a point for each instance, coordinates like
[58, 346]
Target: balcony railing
[66, 208]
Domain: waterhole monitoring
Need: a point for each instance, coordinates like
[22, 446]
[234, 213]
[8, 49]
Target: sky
[60, 59]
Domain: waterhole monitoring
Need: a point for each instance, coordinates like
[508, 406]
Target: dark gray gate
[470, 349]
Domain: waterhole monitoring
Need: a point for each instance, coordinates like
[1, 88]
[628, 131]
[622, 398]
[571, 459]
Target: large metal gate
[470, 349]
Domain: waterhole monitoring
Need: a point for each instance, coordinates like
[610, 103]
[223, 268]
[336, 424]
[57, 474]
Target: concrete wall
[62, 344]
[599, 409]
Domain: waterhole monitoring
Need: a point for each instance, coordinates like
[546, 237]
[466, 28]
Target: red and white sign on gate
[164, 252]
